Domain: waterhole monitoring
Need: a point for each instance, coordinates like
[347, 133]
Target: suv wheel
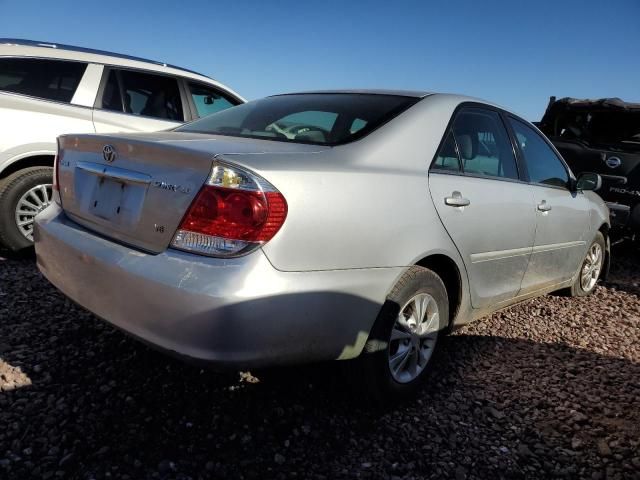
[23, 195]
[403, 339]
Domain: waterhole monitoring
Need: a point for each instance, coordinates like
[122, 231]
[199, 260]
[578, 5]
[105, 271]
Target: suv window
[208, 100]
[111, 97]
[143, 94]
[483, 144]
[543, 165]
[49, 79]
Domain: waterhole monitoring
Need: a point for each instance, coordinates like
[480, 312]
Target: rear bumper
[236, 312]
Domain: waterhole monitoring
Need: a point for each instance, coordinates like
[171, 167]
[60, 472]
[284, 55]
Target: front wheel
[590, 269]
[23, 195]
[404, 337]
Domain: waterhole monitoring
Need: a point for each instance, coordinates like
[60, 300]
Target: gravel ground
[546, 389]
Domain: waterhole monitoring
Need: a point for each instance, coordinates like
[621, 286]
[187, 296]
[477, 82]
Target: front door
[488, 212]
[562, 216]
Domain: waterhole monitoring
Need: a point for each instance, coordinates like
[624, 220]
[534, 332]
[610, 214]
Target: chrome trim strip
[557, 246]
[119, 174]
[499, 254]
[518, 252]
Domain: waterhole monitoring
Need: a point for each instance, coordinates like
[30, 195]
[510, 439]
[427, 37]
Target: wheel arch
[38, 160]
[604, 230]
[447, 269]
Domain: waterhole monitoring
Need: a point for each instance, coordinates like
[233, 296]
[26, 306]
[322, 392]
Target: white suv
[48, 89]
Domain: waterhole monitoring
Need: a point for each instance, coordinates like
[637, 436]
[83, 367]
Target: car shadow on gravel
[101, 405]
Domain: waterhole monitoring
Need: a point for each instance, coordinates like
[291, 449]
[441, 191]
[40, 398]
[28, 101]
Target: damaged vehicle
[602, 136]
[317, 226]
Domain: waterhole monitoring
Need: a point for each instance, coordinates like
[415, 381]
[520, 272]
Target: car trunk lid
[137, 189]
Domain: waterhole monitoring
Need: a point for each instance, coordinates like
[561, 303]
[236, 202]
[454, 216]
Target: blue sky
[514, 53]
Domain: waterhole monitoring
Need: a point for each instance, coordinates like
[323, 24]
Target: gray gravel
[546, 389]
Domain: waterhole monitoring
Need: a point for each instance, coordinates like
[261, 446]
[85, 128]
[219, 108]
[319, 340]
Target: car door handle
[457, 200]
[543, 206]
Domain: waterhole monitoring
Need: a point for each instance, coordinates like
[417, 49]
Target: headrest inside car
[465, 145]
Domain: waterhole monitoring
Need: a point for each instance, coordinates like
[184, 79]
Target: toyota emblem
[108, 153]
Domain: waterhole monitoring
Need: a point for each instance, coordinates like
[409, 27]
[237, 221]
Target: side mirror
[589, 181]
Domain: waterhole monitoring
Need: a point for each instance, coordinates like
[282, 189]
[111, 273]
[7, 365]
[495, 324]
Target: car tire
[399, 341]
[13, 190]
[591, 268]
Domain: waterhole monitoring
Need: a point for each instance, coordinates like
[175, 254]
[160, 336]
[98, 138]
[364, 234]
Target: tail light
[234, 213]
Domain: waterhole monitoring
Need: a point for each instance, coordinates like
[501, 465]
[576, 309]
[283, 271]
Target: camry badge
[613, 162]
[109, 153]
[171, 187]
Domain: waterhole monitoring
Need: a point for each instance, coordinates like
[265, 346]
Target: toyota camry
[317, 226]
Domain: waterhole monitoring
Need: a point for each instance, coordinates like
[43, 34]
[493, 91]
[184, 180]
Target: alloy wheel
[29, 205]
[413, 338]
[591, 268]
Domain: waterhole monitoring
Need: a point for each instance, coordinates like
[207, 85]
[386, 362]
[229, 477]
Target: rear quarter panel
[364, 204]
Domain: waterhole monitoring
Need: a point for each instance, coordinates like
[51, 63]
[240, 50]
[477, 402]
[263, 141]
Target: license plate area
[108, 199]
[110, 196]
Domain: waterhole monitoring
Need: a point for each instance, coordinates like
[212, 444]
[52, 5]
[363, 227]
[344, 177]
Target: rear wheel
[590, 269]
[404, 337]
[23, 195]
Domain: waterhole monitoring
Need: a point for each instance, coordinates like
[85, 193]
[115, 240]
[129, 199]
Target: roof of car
[454, 98]
[72, 48]
[366, 91]
[32, 48]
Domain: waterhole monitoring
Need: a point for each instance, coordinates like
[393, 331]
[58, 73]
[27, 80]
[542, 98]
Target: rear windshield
[317, 118]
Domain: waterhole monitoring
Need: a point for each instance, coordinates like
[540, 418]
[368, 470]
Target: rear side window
[447, 158]
[208, 100]
[48, 79]
[143, 94]
[543, 165]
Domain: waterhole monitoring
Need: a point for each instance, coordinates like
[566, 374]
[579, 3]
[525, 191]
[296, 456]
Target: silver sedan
[316, 226]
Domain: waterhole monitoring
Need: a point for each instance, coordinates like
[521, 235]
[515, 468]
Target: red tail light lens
[234, 213]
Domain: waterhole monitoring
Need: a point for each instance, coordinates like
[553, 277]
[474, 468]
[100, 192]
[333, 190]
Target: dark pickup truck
[601, 136]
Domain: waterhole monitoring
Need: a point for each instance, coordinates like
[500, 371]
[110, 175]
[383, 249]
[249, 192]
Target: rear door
[485, 207]
[562, 215]
[135, 101]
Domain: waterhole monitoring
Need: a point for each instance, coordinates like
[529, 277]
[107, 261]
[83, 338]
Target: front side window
[48, 79]
[208, 101]
[317, 118]
[143, 94]
[483, 144]
[543, 165]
